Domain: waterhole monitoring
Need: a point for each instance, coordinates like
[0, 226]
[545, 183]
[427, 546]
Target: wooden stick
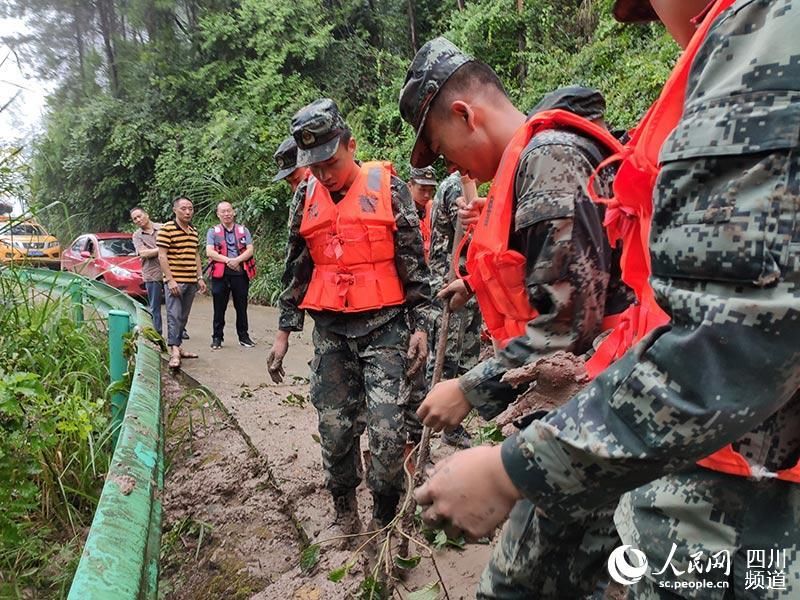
[470, 193]
[423, 450]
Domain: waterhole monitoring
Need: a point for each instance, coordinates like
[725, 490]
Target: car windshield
[21, 229]
[117, 247]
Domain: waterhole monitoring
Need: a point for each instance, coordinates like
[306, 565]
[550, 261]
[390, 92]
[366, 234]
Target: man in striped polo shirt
[179, 256]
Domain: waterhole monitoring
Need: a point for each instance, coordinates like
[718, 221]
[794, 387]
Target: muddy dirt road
[250, 530]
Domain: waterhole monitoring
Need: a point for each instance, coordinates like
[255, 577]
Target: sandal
[175, 362]
[188, 354]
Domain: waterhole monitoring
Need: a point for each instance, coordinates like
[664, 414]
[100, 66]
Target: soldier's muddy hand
[471, 490]
[275, 357]
[456, 293]
[444, 407]
[417, 351]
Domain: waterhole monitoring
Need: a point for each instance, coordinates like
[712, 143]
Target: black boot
[384, 508]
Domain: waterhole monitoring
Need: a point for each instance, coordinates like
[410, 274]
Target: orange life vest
[352, 244]
[495, 273]
[628, 218]
[218, 269]
[425, 230]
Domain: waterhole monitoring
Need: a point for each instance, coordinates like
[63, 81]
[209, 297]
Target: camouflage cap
[584, 102]
[432, 66]
[316, 128]
[634, 11]
[286, 158]
[423, 175]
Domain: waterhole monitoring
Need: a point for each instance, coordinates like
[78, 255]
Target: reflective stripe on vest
[352, 244]
[628, 219]
[495, 273]
[221, 246]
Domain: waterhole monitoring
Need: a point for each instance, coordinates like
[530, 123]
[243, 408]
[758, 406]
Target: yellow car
[28, 242]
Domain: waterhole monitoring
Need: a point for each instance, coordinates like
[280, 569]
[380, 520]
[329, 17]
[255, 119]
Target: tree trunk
[522, 71]
[460, 4]
[191, 15]
[105, 9]
[79, 45]
[412, 25]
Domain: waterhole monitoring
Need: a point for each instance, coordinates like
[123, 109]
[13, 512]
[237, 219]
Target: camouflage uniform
[421, 381]
[463, 341]
[572, 277]
[573, 281]
[360, 357]
[726, 267]
[464, 336]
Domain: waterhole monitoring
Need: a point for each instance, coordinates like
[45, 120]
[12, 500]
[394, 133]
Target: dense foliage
[159, 97]
[54, 433]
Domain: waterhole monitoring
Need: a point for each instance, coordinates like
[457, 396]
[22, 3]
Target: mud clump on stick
[551, 381]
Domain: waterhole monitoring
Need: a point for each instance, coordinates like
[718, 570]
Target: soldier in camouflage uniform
[462, 344]
[422, 187]
[464, 335]
[724, 374]
[286, 160]
[572, 278]
[358, 356]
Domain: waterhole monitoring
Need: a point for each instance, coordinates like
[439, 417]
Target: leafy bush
[205, 90]
[54, 437]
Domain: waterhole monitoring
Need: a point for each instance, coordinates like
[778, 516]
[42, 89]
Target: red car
[108, 257]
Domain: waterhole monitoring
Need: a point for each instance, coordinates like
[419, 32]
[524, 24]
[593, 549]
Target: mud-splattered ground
[252, 483]
[226, 531]
[243, 499]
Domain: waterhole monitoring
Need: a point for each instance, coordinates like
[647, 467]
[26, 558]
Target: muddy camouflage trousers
[357, 380]
[537, 557]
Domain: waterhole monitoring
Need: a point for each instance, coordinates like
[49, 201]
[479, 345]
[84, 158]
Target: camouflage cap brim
[431, 67]
[422, 181]
[634, 11]
[317, 154]
[582, 101]
[421, 154]
[283, 173]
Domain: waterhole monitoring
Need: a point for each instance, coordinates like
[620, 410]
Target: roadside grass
[54, 436]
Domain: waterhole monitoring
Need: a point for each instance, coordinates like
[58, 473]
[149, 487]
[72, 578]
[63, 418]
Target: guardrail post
[76, 293]
[119, 323]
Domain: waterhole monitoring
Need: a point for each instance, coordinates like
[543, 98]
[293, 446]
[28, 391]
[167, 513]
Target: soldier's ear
[463, 112]
[351, 146]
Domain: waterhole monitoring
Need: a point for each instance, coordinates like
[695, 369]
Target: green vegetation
[54, 438]
[159, 97]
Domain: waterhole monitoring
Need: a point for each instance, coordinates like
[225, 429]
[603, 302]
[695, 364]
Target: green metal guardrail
[120, 557]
